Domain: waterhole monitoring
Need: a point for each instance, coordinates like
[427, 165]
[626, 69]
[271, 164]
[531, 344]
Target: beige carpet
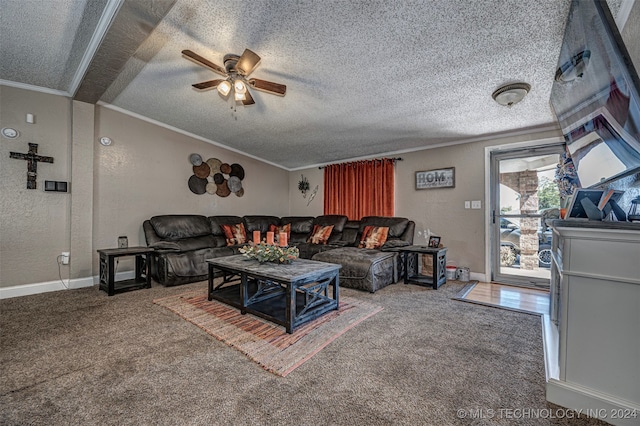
[266, 343]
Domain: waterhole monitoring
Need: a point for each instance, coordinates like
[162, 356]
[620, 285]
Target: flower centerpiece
[270, 253]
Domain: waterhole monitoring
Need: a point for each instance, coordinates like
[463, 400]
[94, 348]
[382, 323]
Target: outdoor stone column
[525, 183]
[528, 226]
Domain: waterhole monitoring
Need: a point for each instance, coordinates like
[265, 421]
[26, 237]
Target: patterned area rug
[266, 343]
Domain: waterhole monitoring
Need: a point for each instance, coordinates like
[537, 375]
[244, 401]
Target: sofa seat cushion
[362, 269]
[176, 227]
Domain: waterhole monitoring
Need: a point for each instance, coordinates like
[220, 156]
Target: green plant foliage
[270, 253]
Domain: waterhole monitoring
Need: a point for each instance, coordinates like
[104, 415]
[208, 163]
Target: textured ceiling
[363, 77]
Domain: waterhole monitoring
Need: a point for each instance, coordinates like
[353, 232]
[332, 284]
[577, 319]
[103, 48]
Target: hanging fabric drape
[361, 188]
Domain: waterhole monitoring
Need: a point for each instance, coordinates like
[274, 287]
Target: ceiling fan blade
[247, 62]
[268, 86]
[206, 85]
[192, 56]
[248, 99]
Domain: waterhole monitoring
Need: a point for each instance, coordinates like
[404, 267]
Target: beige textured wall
[81, 226]
[300, 206]
[34, 228]
[440, 210]
[145, 173]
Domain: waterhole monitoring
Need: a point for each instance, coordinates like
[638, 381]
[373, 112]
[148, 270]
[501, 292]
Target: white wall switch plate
[476, 204]
[467, 204]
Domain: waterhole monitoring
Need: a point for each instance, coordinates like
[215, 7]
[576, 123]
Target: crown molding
[34, 88]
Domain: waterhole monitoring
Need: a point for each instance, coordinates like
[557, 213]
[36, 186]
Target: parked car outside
[510, 237]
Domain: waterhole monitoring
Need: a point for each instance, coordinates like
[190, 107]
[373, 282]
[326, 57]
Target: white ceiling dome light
[510, 94]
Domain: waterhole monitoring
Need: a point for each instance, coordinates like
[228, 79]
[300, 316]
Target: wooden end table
[411, 258]
[142, 278]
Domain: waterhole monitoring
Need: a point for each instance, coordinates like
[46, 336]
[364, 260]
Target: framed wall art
[440, 178]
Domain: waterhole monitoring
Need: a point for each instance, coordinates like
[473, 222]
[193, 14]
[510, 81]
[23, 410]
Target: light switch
[476, 204]
[467, 204]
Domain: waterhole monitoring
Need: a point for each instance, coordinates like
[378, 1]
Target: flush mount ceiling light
[574, 68]
[511, 94]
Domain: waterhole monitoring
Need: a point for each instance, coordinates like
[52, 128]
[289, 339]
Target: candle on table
[256, 237]
[283, 239]
[270, 238]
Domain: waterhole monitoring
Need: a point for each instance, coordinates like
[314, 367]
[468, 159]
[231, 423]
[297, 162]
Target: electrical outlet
[476, 204]
[65, 257]
[467, 204]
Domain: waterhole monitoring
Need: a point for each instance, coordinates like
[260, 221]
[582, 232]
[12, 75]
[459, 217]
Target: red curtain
[361, 188]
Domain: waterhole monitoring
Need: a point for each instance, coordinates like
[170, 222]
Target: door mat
[266, 343]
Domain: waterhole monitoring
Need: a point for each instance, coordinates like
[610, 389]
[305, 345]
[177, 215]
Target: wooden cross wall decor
[32, 158]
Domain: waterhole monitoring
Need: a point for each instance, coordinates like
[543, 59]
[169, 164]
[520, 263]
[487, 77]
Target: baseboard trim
[588, 402]
[478, 276]
[48, 286]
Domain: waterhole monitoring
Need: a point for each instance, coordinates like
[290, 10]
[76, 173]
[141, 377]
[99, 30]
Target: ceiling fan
[236, 72]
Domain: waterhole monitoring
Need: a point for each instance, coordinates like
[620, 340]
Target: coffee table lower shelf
[272, 309]
[288, 295]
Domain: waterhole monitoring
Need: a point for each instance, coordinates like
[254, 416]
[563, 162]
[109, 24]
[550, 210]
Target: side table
[142, 278]
[411, 259]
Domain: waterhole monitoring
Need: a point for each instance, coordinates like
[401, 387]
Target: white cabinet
[592, 336]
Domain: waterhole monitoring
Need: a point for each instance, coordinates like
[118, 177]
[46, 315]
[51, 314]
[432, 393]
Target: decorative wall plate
[195, 159]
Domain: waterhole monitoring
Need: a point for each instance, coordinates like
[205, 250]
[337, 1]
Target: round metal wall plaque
[202, 171]
[225, 168]
[237, 171]
[214, 165]
[195, 159]
[234, 184]
[197, 185]
[223, 189]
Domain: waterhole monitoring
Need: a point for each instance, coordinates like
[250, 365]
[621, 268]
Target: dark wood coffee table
[288, 295]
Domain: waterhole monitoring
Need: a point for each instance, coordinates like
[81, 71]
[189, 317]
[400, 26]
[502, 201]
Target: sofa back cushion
[350, 232]
[260, 223]
[176, 227]
[397, 225]
[301, 227]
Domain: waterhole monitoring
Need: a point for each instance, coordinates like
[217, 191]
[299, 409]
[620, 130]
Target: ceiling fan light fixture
[239, 86]
[224, 88]
[510, 94]
[239, 96]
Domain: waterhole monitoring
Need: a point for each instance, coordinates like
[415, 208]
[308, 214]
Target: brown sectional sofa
[182, 243]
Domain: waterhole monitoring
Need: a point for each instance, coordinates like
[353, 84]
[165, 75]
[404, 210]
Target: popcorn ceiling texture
[363, 77]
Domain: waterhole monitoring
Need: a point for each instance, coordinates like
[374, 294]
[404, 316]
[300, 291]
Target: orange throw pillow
[235, 234]
[278, 229]
[373, 237]
[320, 234]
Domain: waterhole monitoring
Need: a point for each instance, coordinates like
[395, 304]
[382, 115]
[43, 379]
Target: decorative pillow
[373, 237]
[320, 234]
[235, 234]
[278, 229]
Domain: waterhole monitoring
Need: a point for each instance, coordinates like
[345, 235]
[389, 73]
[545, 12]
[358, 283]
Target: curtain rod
[373, 159]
